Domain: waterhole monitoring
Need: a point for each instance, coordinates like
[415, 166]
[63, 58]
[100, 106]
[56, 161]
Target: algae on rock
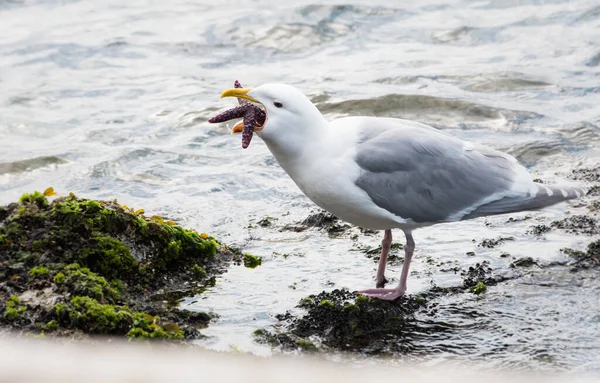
[90, 266]
[343, 320]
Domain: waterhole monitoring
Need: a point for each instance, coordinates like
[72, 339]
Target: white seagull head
[291, 116]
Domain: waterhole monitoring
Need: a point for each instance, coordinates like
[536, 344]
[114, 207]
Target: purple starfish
[252, 116]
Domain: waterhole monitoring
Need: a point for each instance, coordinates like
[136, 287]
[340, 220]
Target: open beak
[239, 93]
[238, 128]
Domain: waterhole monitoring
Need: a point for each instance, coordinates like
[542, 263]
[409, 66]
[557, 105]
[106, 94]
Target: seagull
[389, 173]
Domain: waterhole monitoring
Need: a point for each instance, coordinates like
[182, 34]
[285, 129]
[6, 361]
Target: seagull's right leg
[386, 244]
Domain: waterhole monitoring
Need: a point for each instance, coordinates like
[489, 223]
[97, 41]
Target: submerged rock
[491, 243]
[585, 259]
[395, 256]
[321, 220]
[539, 229]
[591, 175]
[578, 224]
[96, 267]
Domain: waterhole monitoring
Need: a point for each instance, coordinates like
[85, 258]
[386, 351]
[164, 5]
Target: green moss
[259, 332]
[59, 278]
[148, 326]
[198, 271]
[349, 308]
[110, 258]
[327, 303]
[51, 326]
[137, 333]
[88, 315]
[14, 309]
[83, 282]
[36, 198]
[479, 288]
[252, 261]
[38, 271]
[305, 302]
[305, 344]
[38, 246]
[361, 299]
[173, 250]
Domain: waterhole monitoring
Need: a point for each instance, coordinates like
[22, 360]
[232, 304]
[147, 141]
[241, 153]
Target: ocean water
[111, 100]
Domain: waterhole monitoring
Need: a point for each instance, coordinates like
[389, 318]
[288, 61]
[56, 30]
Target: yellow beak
[238, 128]
[239, 93]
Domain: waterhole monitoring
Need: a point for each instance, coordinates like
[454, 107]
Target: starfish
[252, 115]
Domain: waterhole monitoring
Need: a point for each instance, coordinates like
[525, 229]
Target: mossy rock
[100, 264]
[343, 320]
[104, 237]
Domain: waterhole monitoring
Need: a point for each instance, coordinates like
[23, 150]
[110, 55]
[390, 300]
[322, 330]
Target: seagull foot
[385, 294]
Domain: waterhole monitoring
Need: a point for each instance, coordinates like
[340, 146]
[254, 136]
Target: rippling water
[110, 100]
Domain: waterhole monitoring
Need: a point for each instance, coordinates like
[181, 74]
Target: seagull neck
[298, 144]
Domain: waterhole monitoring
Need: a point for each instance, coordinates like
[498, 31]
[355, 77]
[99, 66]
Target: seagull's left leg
[392, 294]
[386, 244]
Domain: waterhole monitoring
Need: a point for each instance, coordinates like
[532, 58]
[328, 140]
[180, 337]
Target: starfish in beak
[253, 117]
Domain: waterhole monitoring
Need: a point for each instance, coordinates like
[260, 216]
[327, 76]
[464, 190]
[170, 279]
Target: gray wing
[420, 173]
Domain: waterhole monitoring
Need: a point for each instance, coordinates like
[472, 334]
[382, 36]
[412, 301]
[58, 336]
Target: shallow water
[108, 100]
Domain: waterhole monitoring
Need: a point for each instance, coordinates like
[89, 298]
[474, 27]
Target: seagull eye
[278, 104]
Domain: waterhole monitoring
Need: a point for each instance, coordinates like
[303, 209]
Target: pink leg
[392, 294]
[386, 243]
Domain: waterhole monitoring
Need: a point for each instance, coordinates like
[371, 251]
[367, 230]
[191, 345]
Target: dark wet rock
[369, 231]
[524, 262]
[77, 266]
[539, 229]
[342, 320]
[321, 220]
[395, 256]
[481, 272]
[265, 222]
[585, 259]
[594, 191]
[578, 224]
[491, 243]
[591, 175]
[520, 219]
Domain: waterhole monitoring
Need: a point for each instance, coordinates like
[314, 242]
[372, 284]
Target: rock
[321, 220]
[539, 229]
[585, 260]
[524, 262]
[591, 175]
[491, 243]
[343, 320]
[77, 266]
[578, 224]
